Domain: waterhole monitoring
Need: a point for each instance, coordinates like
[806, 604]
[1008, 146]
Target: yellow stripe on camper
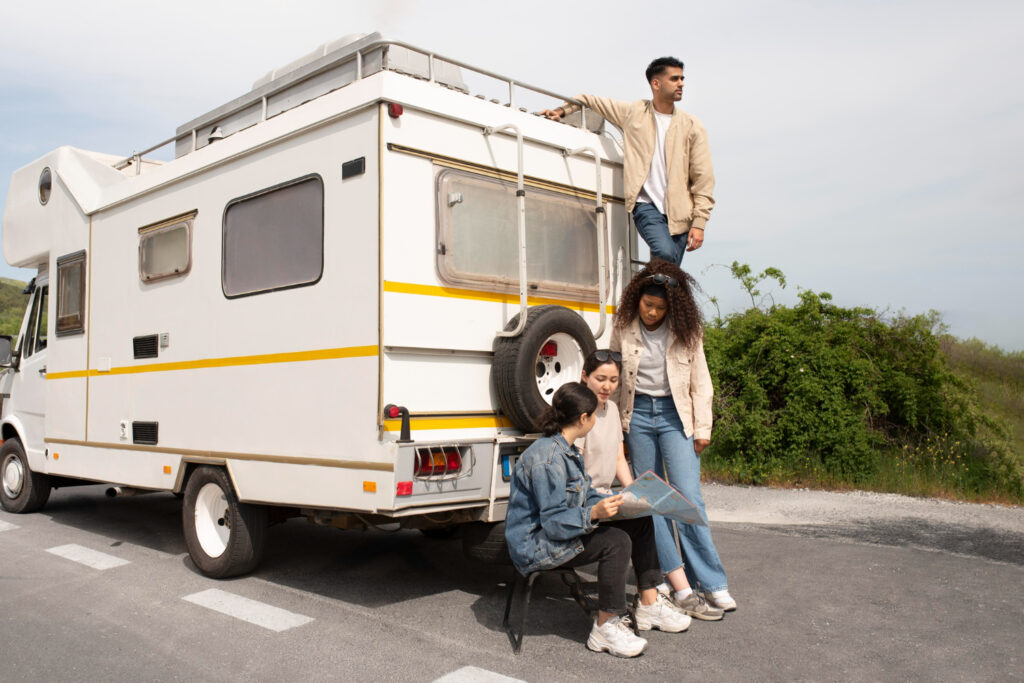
[235, 361]
[497, 297]
[486, 422]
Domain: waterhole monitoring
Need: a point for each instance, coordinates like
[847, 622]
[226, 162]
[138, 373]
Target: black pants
[612, 545]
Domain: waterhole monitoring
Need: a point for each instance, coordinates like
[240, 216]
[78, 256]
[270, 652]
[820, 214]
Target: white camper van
[347, 297]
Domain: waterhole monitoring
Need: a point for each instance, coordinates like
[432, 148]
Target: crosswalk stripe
[252, 611]
[87, 556]
[7, 526]
[472, 674]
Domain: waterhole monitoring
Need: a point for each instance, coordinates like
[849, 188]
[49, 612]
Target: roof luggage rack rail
[338, 66]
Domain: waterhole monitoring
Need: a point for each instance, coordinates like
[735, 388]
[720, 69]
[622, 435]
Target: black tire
[21, 489]
[441, 533]
[524, 381]
[215, 555]
[485, 542]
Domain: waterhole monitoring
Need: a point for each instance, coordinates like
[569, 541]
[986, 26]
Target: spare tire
[529, 368]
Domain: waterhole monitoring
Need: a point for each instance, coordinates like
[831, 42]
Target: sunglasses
[660, 279]
[604, 355]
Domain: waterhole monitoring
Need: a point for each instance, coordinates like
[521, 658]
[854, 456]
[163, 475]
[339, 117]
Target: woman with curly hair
[664, 401]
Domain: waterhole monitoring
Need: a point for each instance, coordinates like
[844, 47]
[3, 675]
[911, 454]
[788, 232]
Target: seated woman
[552, 521]
[605, 460]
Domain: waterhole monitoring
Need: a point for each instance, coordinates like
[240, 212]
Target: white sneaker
[662, 615]
[615, 638]
[720, 599]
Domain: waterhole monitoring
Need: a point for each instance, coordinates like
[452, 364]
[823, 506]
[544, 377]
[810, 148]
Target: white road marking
[7, 526]
[87, 556]
[472, 674]
[253, 611]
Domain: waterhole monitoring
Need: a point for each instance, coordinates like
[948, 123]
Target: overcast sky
[869, 149]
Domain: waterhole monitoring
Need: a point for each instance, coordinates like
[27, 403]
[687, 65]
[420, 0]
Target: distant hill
[12, 305]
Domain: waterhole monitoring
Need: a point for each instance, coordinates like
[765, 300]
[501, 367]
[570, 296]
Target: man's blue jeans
[657, 442]
[653, 228]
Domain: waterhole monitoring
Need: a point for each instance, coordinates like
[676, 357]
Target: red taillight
[437, 461]
[394, 411]
[404, 488]
[549, 349]
[395, 110]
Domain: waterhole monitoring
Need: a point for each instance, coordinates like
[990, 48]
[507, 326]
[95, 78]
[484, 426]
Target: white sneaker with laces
[662, 615]
[720, 599]
[615, 638]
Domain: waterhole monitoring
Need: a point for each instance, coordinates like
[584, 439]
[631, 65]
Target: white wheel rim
[14, 476]
[212, 526]
[563, 367]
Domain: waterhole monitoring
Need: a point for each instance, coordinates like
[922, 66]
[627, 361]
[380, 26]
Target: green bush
[843, 396]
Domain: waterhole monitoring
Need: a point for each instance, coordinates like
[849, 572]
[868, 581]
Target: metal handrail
[357, 55]
[602, 266]
[521, 224]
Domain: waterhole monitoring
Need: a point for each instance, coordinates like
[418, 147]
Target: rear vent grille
[145, 432]
[147, 346]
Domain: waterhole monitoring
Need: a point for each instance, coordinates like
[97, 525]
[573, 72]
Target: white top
[601, 447]
[654, 187]
[651, 377]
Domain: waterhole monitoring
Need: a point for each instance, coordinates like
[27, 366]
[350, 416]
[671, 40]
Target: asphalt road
[893, 599]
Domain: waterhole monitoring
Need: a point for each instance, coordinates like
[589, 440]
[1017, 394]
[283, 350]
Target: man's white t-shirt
[654, 187]
[601, 447]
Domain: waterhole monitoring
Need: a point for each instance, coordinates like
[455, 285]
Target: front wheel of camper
[21, 489]
[224, 537]
[528, 369]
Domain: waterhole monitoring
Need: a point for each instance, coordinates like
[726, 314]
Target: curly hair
[684, 316]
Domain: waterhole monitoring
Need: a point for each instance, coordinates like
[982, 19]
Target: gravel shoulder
[992, 532]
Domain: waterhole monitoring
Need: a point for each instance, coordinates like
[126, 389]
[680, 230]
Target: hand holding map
[650, 494]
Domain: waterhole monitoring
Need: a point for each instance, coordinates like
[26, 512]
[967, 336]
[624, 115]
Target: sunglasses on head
[604, 355]
[661, 279]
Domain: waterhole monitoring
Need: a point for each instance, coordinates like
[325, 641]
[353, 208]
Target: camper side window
[165, 250]
[478, 236]
[71, 294]
[274, 239]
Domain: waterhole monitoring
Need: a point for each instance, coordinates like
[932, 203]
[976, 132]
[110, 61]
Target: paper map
[650, 494]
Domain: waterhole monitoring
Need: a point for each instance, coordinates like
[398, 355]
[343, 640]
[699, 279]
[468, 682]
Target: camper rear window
[165, 250]
[71, 294]
[478, 236]
[274, 239]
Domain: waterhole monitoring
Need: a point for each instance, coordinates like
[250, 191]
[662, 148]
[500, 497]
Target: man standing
[667, 176]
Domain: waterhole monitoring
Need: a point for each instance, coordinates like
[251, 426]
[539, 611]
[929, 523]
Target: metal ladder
[602, 265]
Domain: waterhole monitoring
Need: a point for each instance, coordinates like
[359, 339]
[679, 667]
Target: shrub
[835, 395]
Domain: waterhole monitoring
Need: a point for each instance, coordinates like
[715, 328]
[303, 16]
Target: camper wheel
[224, 537]
[528, 369]
[21, 489]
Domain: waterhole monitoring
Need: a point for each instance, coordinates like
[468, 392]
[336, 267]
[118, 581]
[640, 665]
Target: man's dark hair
[659, 65]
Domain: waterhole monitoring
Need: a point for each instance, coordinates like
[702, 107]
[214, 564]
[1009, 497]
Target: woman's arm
[559, 521]
[622, 471]
[701, 394]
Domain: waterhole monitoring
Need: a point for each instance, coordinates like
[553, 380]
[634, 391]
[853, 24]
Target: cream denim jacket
[691, 180]
[688, 379]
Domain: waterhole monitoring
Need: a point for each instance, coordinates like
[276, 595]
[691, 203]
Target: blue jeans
[653, 227]
[657, 442]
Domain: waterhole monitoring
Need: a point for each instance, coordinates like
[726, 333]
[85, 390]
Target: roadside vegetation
[823, 396]
[12, 306]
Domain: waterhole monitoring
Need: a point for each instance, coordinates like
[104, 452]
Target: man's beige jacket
[691, 180]
[688, 378]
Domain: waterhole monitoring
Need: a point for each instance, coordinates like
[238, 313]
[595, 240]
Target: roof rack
[340, 64]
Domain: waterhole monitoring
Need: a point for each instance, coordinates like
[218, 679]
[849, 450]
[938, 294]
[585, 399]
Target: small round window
[45, 183]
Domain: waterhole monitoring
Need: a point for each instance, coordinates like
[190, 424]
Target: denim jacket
[549, 505]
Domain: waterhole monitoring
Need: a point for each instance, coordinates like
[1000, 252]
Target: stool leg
[525, 587]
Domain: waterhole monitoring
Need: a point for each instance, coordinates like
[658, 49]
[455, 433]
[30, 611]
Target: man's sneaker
[720, 599]
[698, 608]
[662, 615]
[615, 638]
